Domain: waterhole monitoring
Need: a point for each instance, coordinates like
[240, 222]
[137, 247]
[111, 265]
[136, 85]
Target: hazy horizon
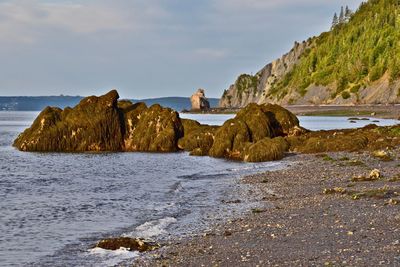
[148, 49]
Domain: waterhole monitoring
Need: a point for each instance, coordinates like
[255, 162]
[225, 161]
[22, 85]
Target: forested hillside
[356, 62]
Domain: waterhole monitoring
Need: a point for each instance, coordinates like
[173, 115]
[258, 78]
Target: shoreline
[299, 224]
[389, 111]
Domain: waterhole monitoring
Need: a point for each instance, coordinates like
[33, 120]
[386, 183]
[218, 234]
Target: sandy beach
[315, 214]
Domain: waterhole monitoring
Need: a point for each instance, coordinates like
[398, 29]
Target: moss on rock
[371, 137]
[237, 138]
[288, 122]
[197, 138]
[157, 130]
[93, 125]
[266, 149]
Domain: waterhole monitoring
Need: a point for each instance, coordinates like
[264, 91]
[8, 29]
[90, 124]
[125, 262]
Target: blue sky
[148, 48]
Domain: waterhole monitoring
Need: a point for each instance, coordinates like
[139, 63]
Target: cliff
[356, 62]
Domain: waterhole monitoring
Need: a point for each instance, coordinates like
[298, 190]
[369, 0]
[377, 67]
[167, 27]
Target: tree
[348, 13]
[335, 21]
[341, 16]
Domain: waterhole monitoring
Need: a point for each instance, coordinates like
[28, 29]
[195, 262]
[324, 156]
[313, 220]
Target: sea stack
[199, 100]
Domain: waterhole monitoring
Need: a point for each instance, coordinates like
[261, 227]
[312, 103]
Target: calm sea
[55, 207]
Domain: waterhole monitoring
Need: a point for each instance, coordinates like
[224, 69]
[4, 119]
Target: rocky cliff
[256, 89]
[356, 62]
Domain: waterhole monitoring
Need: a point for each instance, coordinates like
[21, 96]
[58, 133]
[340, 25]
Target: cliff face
[255, 89]
[356, 62]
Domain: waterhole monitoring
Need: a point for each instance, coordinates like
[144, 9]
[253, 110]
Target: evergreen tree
[348, 13]
[341, 16]
[335, 21]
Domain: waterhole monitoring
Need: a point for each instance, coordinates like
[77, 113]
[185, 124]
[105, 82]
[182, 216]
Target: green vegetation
[359, 49]
[247, 83]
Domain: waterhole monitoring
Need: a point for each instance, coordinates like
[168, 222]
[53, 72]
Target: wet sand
[300, 224]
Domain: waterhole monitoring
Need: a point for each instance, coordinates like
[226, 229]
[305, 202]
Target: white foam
[152, 228]
[113, 257]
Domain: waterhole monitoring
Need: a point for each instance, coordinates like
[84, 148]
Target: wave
[113, 258]
[152, 229]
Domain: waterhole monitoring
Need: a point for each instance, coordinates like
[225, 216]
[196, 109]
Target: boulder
[199, 100]
[197, 138]
[131, 244]
[93, 125]
[266, 149]
[237, 138]
[154, 129]
[287, 120]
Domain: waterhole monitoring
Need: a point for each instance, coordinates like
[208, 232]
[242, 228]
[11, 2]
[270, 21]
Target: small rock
[375, 174]
[132, 244]
[227, 233]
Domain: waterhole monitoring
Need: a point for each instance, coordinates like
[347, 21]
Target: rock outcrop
[93, 125]
[199, 100]
[251, 135]
[103, 124]
[257, 133]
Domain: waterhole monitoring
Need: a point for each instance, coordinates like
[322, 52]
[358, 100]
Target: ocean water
[313, 123]
[55, 207]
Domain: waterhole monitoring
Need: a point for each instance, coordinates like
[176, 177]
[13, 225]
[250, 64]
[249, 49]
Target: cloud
[28, 20]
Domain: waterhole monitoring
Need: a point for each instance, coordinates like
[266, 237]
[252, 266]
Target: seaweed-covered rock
[131, 114]
[371, 137]
[189, 125]
[93, 125]
[334, 144]
[132, 244]
[266, 149]
[158, 129]
[230, 140]
[197, 138]
[238, 137]
[287, 120]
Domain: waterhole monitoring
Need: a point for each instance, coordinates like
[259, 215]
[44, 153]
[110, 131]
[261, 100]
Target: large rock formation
[257, 133]
[252, 134]
[199, 100]
[93, 125]
[103, 124]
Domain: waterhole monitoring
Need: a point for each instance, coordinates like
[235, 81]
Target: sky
[148, 48]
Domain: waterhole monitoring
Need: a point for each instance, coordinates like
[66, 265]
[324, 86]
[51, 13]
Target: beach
[313, 215]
